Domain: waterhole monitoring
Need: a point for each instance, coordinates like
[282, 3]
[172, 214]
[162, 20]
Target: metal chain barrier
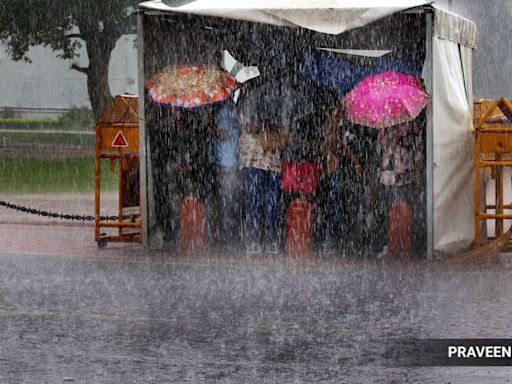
[61, 216]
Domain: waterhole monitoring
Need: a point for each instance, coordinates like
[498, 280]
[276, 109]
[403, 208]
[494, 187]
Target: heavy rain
[269, 192]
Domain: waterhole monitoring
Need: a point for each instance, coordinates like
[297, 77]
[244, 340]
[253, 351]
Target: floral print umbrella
[186, 86]
[385, 99]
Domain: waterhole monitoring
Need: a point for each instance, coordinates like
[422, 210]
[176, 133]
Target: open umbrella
[333, 71]
[385, 99]
[344, 71]
[190, 86]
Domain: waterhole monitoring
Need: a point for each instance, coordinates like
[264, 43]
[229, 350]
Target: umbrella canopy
[342, 73]
[190, 86]
[385, 99]
[333, 71]
[274, 103]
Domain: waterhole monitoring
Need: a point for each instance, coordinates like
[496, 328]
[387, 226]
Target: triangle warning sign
[120, 140]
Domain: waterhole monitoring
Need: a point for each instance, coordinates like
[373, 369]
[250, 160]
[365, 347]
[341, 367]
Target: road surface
[73, 313]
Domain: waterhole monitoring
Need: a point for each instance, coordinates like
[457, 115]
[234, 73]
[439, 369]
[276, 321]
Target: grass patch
[19, 123]
[33, 175]
[27, 120]
[78, 118]
[8, 138]
[75, 119]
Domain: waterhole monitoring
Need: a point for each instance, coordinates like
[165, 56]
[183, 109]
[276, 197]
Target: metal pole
[142, 131]
[476, 166]
[97, 184]
[429, 83]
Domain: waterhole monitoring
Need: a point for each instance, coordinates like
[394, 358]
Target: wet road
[140, 319]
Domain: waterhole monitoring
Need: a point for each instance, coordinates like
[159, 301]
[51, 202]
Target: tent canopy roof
[326, 16]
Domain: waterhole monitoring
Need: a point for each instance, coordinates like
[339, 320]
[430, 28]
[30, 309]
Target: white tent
[326, 16]
[447, 73]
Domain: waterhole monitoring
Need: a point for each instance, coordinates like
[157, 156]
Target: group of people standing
[244, 173]
[241, 163]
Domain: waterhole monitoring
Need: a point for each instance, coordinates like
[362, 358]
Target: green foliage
[8, 113]
[83, 141]
[22, 123]
[27, 120]
[58, 23]
[64, 26]
[29, 175]
[77, 118]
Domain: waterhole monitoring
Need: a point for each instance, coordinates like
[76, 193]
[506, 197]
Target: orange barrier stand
[400, 224]
[493, 151]
[298, 234]
[192, 225]
[117, 139]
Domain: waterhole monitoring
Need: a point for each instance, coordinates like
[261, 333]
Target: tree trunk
[97, 75]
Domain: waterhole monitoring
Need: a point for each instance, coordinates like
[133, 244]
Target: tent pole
[429, 83]
[142, 131]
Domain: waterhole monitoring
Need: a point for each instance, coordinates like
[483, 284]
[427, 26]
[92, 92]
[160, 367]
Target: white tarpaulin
[453, 149]
[457, 29]
[326, 16]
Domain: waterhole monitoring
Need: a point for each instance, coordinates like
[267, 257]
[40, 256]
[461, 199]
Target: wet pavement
[73, 313]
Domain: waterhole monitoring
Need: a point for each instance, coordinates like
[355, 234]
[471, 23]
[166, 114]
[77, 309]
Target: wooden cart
[117, 140]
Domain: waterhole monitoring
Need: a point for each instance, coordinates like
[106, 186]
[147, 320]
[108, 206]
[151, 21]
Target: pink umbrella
[385, 99]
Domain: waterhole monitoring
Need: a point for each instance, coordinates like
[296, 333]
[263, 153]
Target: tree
[64, 25]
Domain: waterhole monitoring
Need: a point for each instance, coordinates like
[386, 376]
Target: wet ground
[125, 315]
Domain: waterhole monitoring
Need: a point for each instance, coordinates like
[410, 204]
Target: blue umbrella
[332, 70]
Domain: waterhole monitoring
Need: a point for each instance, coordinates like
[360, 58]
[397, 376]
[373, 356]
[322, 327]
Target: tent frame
[429, 156]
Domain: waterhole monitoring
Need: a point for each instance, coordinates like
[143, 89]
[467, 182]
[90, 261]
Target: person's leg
[176, 198]
[407, 195]
[416, 200]
[379, 232]
[212, 207]
[162, 207]
[229, 211]
[350, 212]
[333, 212]
[271, 198]
[222, 205]
[253, 183]
[319, 226]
